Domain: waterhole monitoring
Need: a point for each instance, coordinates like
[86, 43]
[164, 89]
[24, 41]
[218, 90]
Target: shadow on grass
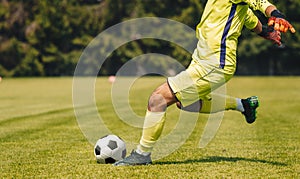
[220, 159]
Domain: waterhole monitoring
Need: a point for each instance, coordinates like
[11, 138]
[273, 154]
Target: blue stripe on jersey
[224, 36]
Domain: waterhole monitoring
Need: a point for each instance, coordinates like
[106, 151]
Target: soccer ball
[109, 149]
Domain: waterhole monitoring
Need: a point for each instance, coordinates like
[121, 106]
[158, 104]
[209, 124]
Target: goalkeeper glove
[269, 33]
[280, 24]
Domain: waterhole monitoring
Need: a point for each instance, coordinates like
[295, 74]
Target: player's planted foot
[134, 159]
[250, 104]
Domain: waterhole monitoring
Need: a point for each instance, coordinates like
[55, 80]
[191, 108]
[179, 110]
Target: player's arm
[256, 5]
[267, 32]
[277, 19]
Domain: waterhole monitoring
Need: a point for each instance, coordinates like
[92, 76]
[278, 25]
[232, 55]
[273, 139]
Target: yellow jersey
[221, 24]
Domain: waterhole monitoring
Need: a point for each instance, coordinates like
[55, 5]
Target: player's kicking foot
[250, 104]
[134, 159]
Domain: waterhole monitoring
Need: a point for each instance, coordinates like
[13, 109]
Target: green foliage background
[46, 38]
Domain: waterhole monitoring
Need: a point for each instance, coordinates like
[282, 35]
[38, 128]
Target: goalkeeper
[213, 64]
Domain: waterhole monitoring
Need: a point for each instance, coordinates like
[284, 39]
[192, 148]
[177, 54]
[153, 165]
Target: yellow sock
[220, 103]
[153, 126]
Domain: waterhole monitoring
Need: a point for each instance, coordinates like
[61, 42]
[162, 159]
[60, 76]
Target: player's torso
[220, 26]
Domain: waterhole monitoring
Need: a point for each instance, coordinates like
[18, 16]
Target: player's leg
[178, 88]
[161, 98]
[158, 102]
[206, 79]
[246, 106]
[221, 103]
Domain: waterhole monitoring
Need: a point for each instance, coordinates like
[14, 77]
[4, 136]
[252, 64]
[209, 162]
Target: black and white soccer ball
[109, 149]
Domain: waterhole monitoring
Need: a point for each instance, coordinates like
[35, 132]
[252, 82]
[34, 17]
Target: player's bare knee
[157, 103]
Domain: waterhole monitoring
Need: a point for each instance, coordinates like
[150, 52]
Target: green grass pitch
[40, 136]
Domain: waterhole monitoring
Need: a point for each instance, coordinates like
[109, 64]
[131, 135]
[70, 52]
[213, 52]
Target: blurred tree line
[46, 38]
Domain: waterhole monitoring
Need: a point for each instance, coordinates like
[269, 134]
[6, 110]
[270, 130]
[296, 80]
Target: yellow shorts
[197, 82]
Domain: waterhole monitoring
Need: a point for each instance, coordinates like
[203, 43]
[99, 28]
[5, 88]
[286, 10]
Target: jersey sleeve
[251, 20]
[260, 5]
